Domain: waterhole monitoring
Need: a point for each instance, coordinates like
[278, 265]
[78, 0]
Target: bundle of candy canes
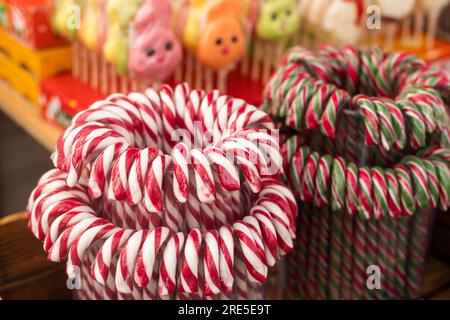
[367, 155]
[138, 214]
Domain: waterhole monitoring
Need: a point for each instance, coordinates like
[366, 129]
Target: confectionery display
[144, 217]
[367, 157]
[233, 149]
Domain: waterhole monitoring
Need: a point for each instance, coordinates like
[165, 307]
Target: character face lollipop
[278, 19]
[222, 42]
[155, 54]
[154, 49]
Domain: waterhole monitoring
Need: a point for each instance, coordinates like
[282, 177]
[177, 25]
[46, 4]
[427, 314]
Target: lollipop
[277, 22]
[343, 19]
[222, 40]
[120, 14]
[154, 49]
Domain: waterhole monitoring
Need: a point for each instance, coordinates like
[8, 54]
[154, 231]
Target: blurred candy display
[232, 45]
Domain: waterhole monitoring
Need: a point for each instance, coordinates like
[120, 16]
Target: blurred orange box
[20, 79]
[41, 63]
[30, 21]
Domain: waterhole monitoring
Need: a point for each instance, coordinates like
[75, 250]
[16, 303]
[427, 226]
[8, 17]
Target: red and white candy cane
[167, 273]
[158, 218]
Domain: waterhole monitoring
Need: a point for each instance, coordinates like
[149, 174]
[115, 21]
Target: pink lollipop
[154, 51]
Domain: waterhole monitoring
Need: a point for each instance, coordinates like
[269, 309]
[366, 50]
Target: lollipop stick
[82, 63]
[143, 85]
[245, 64]
[179, 74]
[94, 69]
[279, 49]
[418, 27]
[209, 79]
[406, 30]
[267, 63]
[189, 68]
[222, 80]
[433, 16]
[256, 60]
[104, 75]
[113, 76]
[75, 60]
[134, 84]
[198, 74]
[390, 31]
[123, 84]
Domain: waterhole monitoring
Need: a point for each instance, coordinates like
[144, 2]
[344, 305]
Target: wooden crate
[25, 272]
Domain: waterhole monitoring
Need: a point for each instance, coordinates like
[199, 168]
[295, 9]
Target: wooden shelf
[27, 116]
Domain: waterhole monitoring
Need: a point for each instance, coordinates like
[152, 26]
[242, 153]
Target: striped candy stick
[359, 258]
[101, 168]
[328, 121]
[180, 158]
[311, 272]
[308, 177]
[365, 193]
[168, 268]
[153, 184]
[127, 261]
[101, 267]
[391, 265]
[426, 109]
[398, 123]
[406, 190]
[226, 259]
[137, 173]
[402, 254]
[146, 262]
[322, 183]
[393, 194]
[211, 280]
[418, 247]
[303, 257]
[173, 215]
[352, 188]
[420, 178]
[253, 258]
[371, 119]
[316, 106]
[297, 165]
[443, 174]
[347, 258]
[297, 111]
[338, 182]
[336, 255]
[323, 258]
[371, 254]
[188, 282]
[387, 133]
[416, 122]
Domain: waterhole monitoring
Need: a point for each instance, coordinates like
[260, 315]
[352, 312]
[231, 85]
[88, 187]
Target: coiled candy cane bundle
[366, 153]
[139, 214]
[398, 95]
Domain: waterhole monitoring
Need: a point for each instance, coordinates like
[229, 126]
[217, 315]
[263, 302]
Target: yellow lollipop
[191, 32]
